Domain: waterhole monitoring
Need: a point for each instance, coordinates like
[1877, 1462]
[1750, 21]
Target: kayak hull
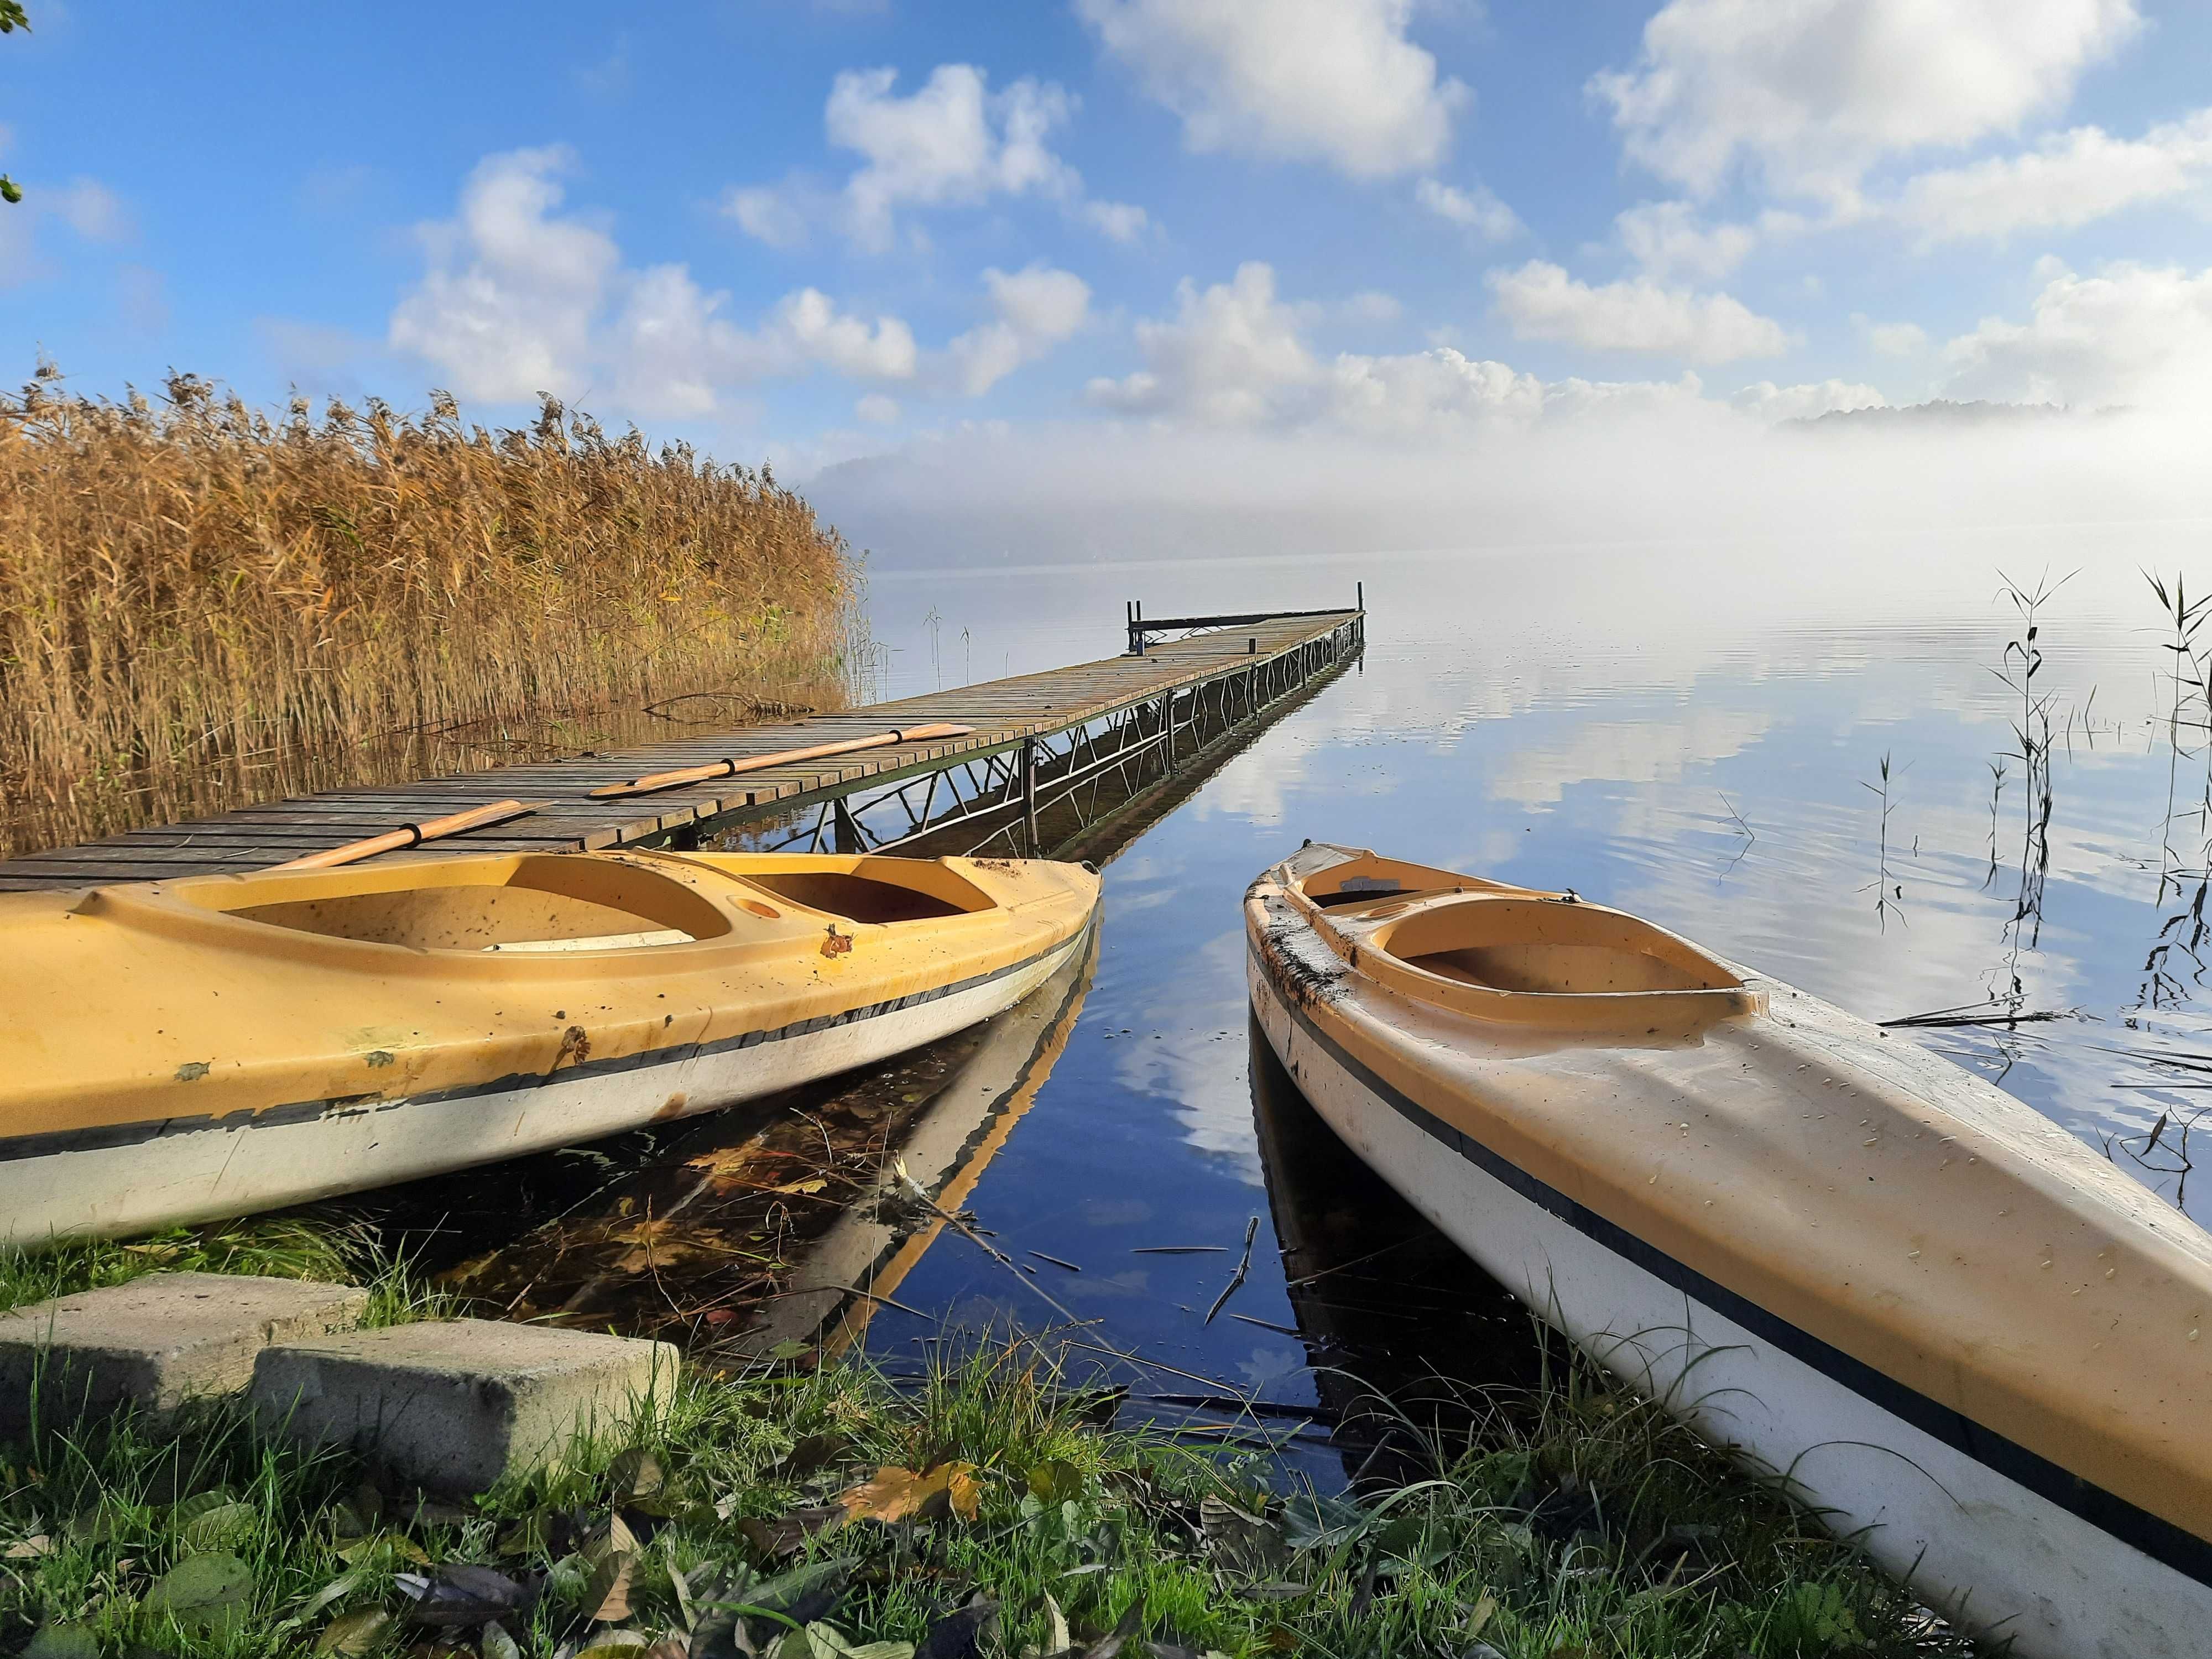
[2004, 1540]
[202, 1171]
[182, 1052]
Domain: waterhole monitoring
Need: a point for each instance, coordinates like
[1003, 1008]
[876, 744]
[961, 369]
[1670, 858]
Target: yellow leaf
[896, 1493]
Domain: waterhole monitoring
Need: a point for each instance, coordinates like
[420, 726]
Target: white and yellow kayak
[1963, 1337]
[184, 1050]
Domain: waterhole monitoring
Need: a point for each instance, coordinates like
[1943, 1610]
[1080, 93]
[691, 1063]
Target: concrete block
[454, 1405]
[155, 1342]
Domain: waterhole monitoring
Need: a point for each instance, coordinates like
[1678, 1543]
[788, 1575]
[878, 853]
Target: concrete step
[154, 1343]
[454, 1405]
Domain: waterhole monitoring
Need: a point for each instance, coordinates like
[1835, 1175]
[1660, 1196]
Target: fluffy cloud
[1811, 92]
[2132, 335]
[1038, 308]
[1666, 239]
[2067, 180]
[518, 299]
[1542, 302]
[1892, 339]
[1769, 402]
[1236, 355]
[951, 143]
[1331, 81]
[1475, 210]
[506, 307]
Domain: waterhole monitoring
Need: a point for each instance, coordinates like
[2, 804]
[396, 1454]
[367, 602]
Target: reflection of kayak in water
[763, 1225]
[1399, 1328]
[1968, 1340]
[180, 1051]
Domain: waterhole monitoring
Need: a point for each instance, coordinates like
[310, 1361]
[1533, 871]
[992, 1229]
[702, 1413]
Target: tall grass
[202, 605]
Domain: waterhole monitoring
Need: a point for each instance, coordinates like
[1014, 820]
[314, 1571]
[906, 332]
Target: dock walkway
[1188, 676]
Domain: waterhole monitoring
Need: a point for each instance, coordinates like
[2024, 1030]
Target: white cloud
[1475, 210]
[1811, 92]
[1371, 306]
[1666, 239]
[1232, 350]
[1542, 302]
[951, 143]
[1892, 339]
[1235, 355]
[518, 298]
[1118, 221]
[2066, 181]
[2130, 334]
[767, 216]
[1330, 81]
[92, 211]
[1769, 402]
[876, 409]
[505, 309]
[1037, 309]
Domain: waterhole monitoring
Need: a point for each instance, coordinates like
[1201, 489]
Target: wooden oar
[414, 834]
[732, 767]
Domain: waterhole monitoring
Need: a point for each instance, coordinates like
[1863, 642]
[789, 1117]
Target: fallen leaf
[218, 1526]
[811, 1453]
[812, 1184]
[894, 1493]
[29, 1549]
[62, 1642]
[363, 1631]
[462, 1595]
[1055, 1481]
[1485, 1611]
[606, 1598]
[1057, 1640]
[786, 1534]
[496, 1644]
[207, 1595]
[636, 1473]
[958, 1635]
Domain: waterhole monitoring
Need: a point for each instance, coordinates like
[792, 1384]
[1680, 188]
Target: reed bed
[202, 605]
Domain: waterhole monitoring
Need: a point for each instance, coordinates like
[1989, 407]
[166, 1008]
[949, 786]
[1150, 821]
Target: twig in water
[1179, 1249]
[914, 1191]
[1055, 1260]
[1268, 1325]
[1251, 1231]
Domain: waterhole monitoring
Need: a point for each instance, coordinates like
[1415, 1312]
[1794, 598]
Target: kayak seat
[1551, 948]
[545, 902]
[859, 898]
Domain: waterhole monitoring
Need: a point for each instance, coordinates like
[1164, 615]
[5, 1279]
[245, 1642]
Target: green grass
[1581, 1523]
[278, 1246]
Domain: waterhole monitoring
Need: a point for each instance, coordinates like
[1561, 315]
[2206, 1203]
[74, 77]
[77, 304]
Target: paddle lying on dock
[732, 767]
[414, 834]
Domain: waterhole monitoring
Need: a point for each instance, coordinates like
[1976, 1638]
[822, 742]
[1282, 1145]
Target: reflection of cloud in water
[1265, 1367]
[1621, 751]
[1191, 1051]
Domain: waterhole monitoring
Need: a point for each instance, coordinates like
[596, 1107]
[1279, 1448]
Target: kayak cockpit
[532, 902]
[1509, 955]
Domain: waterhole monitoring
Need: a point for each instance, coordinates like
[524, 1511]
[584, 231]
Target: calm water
[1693, 736]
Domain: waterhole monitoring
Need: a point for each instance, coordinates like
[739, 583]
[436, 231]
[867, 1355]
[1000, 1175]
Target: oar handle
[414, 834]
[733, 766]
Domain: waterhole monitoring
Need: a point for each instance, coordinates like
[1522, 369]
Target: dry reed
[201, 606]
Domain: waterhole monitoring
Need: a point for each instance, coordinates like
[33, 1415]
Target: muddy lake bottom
[1811, 763]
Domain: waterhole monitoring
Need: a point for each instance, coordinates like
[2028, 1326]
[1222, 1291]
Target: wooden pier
[1041, 742]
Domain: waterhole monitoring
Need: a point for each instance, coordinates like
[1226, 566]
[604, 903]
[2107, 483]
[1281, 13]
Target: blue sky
[828, 230]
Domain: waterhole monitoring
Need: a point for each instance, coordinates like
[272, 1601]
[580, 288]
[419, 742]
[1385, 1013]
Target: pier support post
[844, 833]
[1029, 796]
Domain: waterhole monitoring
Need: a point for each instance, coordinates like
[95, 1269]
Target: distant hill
[1940, 413]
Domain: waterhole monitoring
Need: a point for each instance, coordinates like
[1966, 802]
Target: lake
[1696, 735]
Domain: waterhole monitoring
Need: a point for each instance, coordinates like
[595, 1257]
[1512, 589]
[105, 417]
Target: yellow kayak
[183, 1050]
[1966, 1339]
